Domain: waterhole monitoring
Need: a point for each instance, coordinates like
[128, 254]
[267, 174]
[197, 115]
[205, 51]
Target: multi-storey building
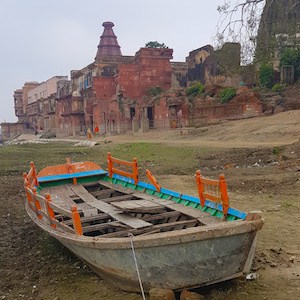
[118, 93]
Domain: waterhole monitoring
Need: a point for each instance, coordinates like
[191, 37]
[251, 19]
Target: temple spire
[108, 45]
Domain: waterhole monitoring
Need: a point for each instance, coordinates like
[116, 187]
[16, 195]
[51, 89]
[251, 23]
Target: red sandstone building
[118, 93]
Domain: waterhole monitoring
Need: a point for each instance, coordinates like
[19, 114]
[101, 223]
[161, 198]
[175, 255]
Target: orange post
[153, 180]
[24, 176]
[26, 185]
[34, 175]
[200, 187]
[37, 204]
[76, 221]
[109, 165]
[224, 195]
[50, 211]
[135, 171]
[70, 169]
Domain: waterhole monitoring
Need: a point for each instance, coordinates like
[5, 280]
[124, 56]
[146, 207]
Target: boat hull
[175, 260]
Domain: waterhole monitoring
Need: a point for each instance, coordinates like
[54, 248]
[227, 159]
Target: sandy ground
[260, 157]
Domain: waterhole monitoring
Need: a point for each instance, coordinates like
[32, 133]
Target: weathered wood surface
[154, 229]
[60, 196]
[140, 206]
[64, 196]
[107, 208]
[201, 216]
[105, 193]
[117, 198]
[101, 216]
[116, 187]
[103, 226]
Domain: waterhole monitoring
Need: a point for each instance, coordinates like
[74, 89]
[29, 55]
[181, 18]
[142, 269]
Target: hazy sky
[41, 39]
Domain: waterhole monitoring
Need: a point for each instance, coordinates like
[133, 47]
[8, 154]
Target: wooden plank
[154, 228]
[60, 210]
[116, 187]
[99, 217]
[166, 215]
[117, 198]
[140, 206]
[105, 192]
[103, 226]
[62, 226]
[107, 208]
[201, 216]
[64, 191]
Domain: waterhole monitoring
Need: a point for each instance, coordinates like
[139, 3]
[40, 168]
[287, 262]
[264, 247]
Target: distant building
[120, 93]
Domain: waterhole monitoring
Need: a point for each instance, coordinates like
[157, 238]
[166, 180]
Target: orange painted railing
[153, 180]
[111, 161]
[45, 208]
[31, 177]
[70, 169]
[214, 190]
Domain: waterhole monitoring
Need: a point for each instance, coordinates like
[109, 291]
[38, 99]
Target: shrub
[276, 151]
[195, 89]
[290, 56]
[155, 90]
[266, 76]
[278, 88]
[227, 94]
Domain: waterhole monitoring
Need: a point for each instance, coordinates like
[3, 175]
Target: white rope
[136, 265]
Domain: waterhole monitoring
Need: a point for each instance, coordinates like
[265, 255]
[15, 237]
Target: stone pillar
[144, 125]
[135, 125]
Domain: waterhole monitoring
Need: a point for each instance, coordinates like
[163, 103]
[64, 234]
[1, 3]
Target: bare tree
[258, 25]
[239, 22]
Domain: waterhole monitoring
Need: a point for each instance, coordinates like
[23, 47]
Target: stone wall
[215, 67]
[11, 130]
[179, 74]
[208, 110]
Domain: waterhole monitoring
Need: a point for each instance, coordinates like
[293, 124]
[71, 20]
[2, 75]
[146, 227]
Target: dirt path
[271, 131]
[260, 158]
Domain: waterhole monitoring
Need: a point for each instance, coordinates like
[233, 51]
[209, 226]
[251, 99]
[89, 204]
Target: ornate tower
[108, 45]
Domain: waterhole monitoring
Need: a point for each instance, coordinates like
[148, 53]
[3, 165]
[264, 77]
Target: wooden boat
[136, 234]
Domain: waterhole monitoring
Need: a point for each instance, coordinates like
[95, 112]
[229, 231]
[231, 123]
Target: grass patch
[159, 158]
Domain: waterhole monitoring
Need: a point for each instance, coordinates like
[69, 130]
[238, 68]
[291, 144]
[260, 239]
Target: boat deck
[108, 210]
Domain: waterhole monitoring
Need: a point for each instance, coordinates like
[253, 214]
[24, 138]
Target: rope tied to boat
[130, 235]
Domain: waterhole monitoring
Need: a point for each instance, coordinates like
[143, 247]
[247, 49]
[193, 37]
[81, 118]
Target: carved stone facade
[120, 93]
[215, 67]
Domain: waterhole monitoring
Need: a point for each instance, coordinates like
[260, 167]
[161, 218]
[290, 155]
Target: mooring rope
[136, 265]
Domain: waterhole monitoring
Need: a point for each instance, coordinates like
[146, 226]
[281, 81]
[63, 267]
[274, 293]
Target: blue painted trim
[71, 176]
[231, 211]
[190, 198]
[170, 193]
[123, 178]
[146, 185]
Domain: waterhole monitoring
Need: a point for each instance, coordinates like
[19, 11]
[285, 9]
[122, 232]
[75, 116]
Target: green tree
[266, 75]
[155, 45]
[290, 56]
